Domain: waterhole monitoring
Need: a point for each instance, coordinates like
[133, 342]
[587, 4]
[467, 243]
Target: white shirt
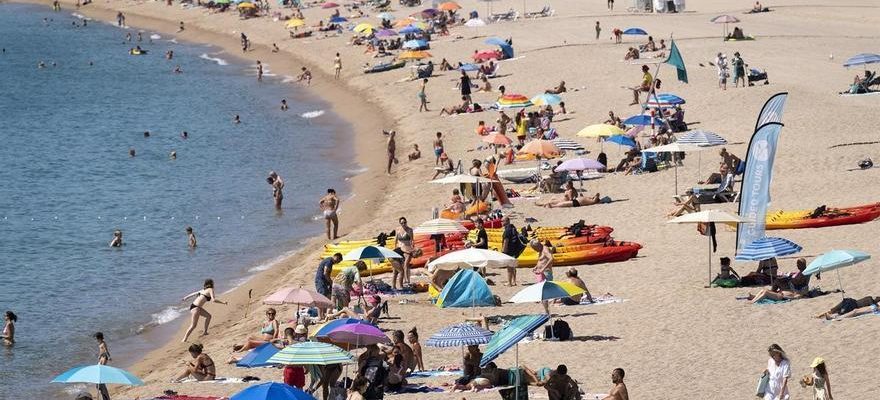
[778, 373]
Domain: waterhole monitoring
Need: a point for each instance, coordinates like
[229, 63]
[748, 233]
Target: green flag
[676, 61]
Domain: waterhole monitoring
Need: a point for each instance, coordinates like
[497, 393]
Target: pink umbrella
[497, 138]
[632, 132]
[330, 5]
[298, 296]
[486, 55]
[358, 335]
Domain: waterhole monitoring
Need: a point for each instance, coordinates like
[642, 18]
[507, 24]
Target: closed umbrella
[98, 374]
[460, 335]
[510, 336]
[600, 130]
[834, 260]
[579, 164]
[440, 226]
[311, 353]
[272, 391]
[707, 216]
[766, 248]
[473, 257]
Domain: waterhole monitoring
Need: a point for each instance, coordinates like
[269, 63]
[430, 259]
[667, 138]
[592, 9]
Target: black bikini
[193, 305]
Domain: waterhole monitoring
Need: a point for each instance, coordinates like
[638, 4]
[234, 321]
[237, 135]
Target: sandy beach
[675, 338]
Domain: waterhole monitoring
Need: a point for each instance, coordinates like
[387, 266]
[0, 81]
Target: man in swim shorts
[323, 281]
[329, 205]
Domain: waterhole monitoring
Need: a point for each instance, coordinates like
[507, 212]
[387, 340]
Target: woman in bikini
[201, 368]
[197, 310]
[574, 202]
[269, 332]
[8, 334]
[405, 243]
[329, 206]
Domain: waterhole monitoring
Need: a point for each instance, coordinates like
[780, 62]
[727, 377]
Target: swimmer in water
[306, 75]
[131, 152]
[146, 134]
[173, 155]
[117, 239]
[140, 37]
[236, 120]
[177, 69]
[8, 334]
[41, 64]
[169, 54]
[259, 70]
[277, 186]
[284, 105]
[185, 135]
[191, 237]
[128, 37]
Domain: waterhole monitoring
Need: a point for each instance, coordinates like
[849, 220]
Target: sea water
[67, 182]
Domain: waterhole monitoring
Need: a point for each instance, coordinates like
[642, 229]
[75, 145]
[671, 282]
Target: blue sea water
[67, 182]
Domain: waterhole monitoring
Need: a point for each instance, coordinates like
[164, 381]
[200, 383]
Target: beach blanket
[433, 373]
[764, 302]
[418, 389]
[219, 379]
[605, 299]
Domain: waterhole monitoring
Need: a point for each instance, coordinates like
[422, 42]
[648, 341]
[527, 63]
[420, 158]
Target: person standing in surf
[103, 359]
[277, 186]
[329, 205]
[197, 308]
[392, 150]
[259, 70]
[191, 238]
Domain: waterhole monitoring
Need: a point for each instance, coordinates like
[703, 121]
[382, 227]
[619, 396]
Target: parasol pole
[710, 260]
[516, 394]
[840, 284]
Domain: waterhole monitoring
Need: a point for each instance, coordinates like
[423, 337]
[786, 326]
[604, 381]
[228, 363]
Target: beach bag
[559, 330]
[763, 383]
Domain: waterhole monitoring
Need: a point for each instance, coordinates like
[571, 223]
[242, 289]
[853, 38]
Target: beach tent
[466, 289]
[258, 357]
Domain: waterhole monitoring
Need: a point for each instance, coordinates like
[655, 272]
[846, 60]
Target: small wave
[312, 114]
[357, 171]
[155, 37]
[268, 264]
[163, 317]
[217, 60]
[288, 79]
[79, 16]
[172, 41]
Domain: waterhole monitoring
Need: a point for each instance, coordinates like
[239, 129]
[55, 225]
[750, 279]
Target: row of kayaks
[822, 217]
[591, 245]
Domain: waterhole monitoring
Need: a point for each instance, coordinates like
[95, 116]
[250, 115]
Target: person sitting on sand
[560, 386]
[649, 46]
[456, 205]
[613, 119]
[370, 313]
[688, 204]
[559, 89]
[481, 129]
[618, 389]
[492, 376]
[306, 76]
[849, 306]
[413, 338]
[572, 277]
[470, 365]
[270, 331]
[288, 338]
[463, 108]
[399, 344]
[415, 154]
[485, 86]
[631, 54]
[201, 368]
[795, 287]
[445, 65]
[644, 86]
[446, 166]
[732, 162]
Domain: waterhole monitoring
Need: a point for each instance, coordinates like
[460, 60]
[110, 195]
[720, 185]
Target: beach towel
[604, 299]
[433, 374]
[219, 379]
[764, 302]
[418, 389]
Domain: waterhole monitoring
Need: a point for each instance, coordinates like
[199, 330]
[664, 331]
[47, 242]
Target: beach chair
[510, 15]
[724, 193]
[545, 12]
[494, 73]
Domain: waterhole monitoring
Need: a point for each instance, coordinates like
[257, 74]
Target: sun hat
[816, 362]
[301, 329]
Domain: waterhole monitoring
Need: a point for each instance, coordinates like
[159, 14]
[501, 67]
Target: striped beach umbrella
[513, 101]
[546, 290]
[439, 226]
[600, 130]
[862, 59]
[664, 100]
[567, 144]
[460, 335]
[511, 334]
[766, 248]
[311, 353]
[101, 374]
[370, 253]
[702, 138]
[546, 99]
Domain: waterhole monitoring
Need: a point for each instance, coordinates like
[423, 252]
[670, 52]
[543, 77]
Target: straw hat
[816, 362]
[300, 330]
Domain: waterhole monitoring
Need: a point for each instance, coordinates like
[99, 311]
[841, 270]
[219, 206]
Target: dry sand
[674, 338]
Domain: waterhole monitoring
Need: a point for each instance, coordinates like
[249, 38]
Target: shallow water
[67, 182]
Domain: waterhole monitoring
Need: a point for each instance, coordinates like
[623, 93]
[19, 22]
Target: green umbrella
[835, 260]
[311, 353]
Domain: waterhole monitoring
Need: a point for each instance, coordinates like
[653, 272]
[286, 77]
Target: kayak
[801, 219]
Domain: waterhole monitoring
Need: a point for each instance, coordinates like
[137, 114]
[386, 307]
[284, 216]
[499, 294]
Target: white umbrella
[370, 253]
[707, 216]
[675, 148]
[473, 257]
[439, 226]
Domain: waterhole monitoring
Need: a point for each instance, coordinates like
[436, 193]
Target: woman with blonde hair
[778, 372]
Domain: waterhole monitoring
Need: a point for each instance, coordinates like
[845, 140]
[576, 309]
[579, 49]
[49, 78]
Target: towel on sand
[433, 373]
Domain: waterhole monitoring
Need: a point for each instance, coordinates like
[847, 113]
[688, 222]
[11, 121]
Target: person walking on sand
[329, 205]
[618, 389]
[465, 86]
[544, 268]
[511, 246]
[337, 66]
[259, 70]
[392, 151]
[423, 97]
[277, 184]
[244, 43]
[438, 148]
[818, 380]
[103, 359]
[191, 238]
[598, 30]
[197, 307]
[723, 73]
[610, 5]
[779, 372]
[739, 70]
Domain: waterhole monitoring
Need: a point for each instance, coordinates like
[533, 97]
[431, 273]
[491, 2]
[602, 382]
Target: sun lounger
[545, 12]
[510, 15]
[722, 194]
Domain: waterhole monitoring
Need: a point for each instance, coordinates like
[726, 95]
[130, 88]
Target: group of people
[723, 68]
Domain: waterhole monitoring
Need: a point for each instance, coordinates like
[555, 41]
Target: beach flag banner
[755, 192]
[676, 61]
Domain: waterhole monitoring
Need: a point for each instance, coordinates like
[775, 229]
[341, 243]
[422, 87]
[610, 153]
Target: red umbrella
[486, 55]
[329, 5]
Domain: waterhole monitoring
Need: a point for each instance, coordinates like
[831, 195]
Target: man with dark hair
[482, 237]
[323, 281]
[618, 391]
[560, 386]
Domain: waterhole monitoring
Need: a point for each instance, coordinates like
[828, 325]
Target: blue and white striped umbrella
[766, 248]
[511, 334]
[862, 59]
[415, 44]
[702, 138]
[567, 144]
[459, 335]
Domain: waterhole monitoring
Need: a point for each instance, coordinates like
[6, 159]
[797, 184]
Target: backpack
[559, 330]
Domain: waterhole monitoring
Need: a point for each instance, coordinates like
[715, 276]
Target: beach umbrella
[439, 226]
[386, 33]
[295, 23]
[222, 2]
[510, 336]
[702, 138]
[410, 29]
[498, 139]
[358, 335]
[496, 41]
[322, 330]
[662, 100]
[475, 23]
[486, 55]
[568, 144]
[469, 67]
[258, 357]
[272, 391]
[642, 120]
[675, 147]
[311, 353]
[449, 6]
[546, 290]
[513, 101]
[427, 13]
[99, 374]
[370, 253]
[600, 130]
[413, 55]
[634, 31]
[725, 19]
[579, 164]
[766, 248]
[247, 5]
[403, 22]
[473, 257]
[834, 260]
[329, 5]
[338, 20]
[862, 59]
[460, 335]
[463, 178]
[541, 148]
[546, 99]
[707, 216]
[415, 44]
[385, 16]
[622, 140]
[299, 296]
[364, 27]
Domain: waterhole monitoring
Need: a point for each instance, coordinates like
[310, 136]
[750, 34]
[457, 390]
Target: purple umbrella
[386, 33]
[358, 335]
[579, 164]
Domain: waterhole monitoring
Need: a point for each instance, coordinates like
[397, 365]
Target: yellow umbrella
[600, 130]
[364, 28]
[403, 22]
[247, 5]
[449, 6]
[295, 23]
[419, 24]
[569, 288]
[413, 55]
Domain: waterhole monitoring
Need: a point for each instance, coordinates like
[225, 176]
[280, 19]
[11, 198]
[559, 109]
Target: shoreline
[164, 338]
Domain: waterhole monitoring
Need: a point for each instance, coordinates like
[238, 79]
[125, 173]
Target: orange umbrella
[497, 138]
[541, 148]
[413, 55]
[449, 6]
[403, 22]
